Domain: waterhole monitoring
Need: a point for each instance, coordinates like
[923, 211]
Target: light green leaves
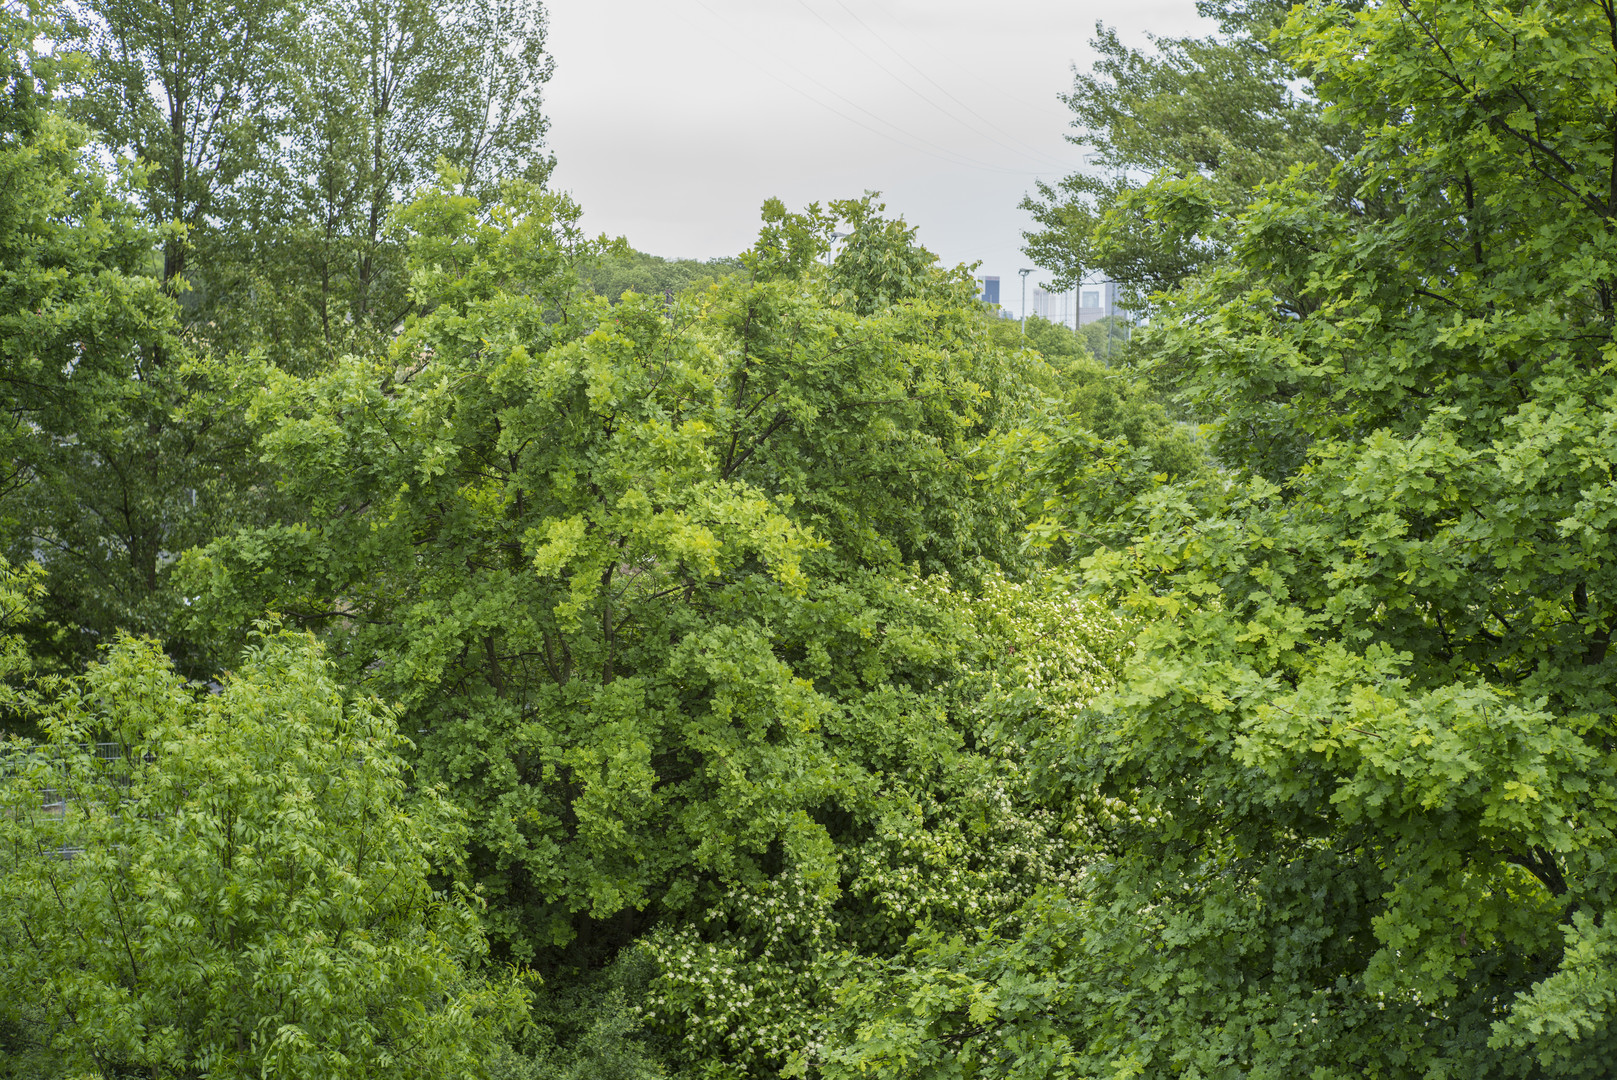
[240, 885]
[647, 579]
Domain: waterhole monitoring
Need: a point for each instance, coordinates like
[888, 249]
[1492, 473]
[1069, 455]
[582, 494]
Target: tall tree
[1229, 108]
[451, 82]
[383, 94]
[282, 132]
[107, 478]
[1366, 796]
[194, 90]
[495, 129]
[128, 434]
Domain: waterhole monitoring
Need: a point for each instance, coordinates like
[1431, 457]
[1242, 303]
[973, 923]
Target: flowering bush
[957, 842]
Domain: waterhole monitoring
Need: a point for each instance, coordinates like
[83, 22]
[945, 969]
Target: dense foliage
[557, 661]
[1229, 111]
[241, 888]
[618, 272]
[1361, 764]
[729, 524]
[108, 474]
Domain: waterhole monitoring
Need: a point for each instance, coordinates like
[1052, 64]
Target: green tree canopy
[1058, 344]
[643, 576]
[1362, 765]
[380, 94]
[242, 891]
[280, 134]
[106, 475]
[1229, 109]
[649, 275]
[190, 89]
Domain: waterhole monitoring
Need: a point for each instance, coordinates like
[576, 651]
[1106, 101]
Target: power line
[994, 130]
[1020, 100]
[925, 146]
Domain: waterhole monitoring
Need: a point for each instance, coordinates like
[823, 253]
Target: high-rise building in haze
[1096, 301]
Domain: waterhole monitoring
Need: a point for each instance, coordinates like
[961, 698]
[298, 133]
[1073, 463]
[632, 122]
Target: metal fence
[108, 761]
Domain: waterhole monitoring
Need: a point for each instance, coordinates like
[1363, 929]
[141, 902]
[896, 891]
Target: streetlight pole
[1024, 274]
[832, 247]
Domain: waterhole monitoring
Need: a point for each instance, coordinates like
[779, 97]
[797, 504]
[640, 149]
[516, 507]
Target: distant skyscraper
[990, 294]
[1096, 301]
[1041, 303]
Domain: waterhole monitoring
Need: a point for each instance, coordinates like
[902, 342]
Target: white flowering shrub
[955, 843]
[745, 988]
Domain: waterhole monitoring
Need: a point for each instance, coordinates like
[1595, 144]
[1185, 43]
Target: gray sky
[673, 120]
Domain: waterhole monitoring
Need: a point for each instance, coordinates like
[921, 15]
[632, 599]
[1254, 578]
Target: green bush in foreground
[243, 893]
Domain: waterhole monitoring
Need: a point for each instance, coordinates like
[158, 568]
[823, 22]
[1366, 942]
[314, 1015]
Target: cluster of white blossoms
[963, 858]
[955, 847]
[748, 985]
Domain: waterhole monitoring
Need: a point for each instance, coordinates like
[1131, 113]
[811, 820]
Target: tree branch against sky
[668, 118]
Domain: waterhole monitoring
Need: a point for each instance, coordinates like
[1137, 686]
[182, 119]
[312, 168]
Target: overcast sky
[673, 120]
